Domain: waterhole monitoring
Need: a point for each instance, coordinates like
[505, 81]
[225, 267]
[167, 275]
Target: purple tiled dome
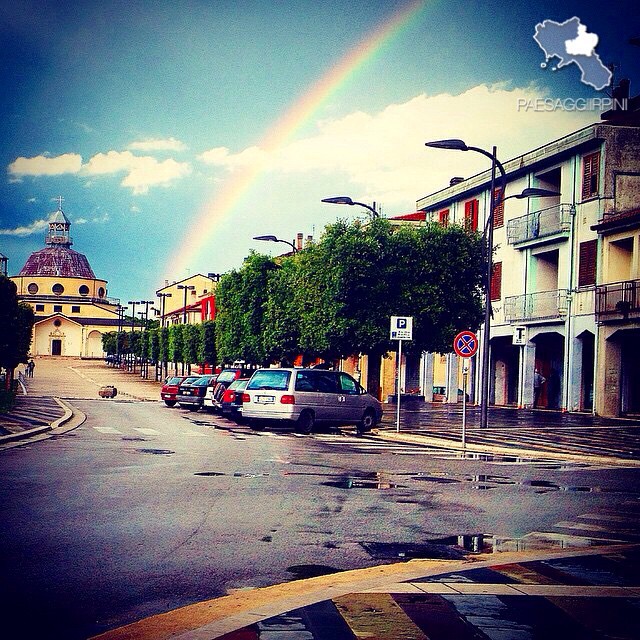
[58, 261]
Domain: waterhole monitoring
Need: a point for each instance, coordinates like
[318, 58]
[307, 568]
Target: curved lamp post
[275, 239]
[459, 145]
[347, 200]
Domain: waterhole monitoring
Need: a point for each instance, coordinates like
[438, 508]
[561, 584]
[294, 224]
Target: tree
[16, 327]
[190, 341]
[176, 344]
[207, 343]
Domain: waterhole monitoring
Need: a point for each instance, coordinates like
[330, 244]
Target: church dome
[58, 258]
[58, 261]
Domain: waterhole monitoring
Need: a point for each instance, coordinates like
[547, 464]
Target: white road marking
[107, 430]
[147, 432]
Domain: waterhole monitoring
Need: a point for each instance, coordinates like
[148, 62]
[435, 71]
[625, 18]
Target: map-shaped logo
[571, 43]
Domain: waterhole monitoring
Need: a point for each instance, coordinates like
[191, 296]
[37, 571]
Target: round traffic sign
[465, 344]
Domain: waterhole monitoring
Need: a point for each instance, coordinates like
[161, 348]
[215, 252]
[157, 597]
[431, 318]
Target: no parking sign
[465, 344]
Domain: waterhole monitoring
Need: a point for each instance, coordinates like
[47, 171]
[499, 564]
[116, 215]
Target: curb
[211, 619]
[430, 441]
[60, 425]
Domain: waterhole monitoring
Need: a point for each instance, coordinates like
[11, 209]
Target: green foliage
[207, 343]
[16, 326]
[335, 298]
[163, 344]
[153, 344]
[109, 341]
[176, 342]
[191, 340]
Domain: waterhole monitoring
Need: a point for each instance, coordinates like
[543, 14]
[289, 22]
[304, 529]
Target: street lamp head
[454, 143]
[339, 200]
[534, 192]
[266, 238]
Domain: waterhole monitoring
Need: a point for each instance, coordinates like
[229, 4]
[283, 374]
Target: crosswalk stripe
[107, 430]
[147, 432]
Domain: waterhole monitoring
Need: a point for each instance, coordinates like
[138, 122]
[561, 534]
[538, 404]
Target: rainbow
[240, 182]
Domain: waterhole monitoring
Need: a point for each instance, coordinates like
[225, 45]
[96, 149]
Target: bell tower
[59, 225]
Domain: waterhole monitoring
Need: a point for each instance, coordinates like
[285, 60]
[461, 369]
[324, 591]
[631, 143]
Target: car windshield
[189, 380]
[270, 379]
[227, 376]
[202, 382]
[239, 385]
[174, 380]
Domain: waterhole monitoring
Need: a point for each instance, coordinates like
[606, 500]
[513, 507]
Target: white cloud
[43, 165]
[221, 157]
[158, 144]
[135, 209]
[26, 230]
[142, 171]
[383, 154]
[80, 221]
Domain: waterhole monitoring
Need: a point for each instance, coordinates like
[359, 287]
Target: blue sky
[138, 113]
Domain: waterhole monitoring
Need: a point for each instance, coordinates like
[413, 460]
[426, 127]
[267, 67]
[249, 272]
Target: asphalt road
[143, 509]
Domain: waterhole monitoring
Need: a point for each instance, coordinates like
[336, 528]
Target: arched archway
[549, 361]
[93, 347]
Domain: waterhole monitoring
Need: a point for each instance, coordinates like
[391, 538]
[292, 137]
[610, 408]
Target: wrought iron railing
[540, 224]
[618, 299]
[543, 305]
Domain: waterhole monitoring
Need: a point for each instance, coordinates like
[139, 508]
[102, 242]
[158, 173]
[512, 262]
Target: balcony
[617, 300]
[544, 305]
[546, 223]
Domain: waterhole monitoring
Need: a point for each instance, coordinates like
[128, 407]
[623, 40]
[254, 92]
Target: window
[471, 215]
[83, 290]
[40, 307]
[58, 289]
[101, 292]
[32, 288]
[590, 175]
[443, 217]
[75, 309]
[496, 281]
[587, 263]
[348, 385]
[498, 212]
[57, 308]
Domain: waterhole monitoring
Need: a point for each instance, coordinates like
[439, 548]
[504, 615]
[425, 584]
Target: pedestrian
[538, 381]
[31, 365]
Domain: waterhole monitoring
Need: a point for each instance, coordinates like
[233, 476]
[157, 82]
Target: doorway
[56, 347]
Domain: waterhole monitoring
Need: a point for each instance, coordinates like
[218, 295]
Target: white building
[548, 260]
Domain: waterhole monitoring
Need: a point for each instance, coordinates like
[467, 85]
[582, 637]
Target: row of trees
[334, 299]
[16, 326]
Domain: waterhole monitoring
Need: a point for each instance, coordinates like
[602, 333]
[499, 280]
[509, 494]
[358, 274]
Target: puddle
[377, 480]
[209, 474]
[303, 571]
[157, 452]
[134, 439]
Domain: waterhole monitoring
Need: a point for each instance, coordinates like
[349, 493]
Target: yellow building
[72, 310]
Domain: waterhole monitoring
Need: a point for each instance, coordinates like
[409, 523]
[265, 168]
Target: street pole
[132, 356]
[399, 372]
[465, 372]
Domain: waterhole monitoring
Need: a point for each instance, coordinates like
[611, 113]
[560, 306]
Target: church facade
[72, 309]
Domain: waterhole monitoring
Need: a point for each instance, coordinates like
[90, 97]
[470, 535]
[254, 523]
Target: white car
[304, 397]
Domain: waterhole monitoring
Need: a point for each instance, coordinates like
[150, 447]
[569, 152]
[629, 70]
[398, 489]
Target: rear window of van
[273, 380]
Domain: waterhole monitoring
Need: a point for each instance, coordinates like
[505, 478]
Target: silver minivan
[304, 397]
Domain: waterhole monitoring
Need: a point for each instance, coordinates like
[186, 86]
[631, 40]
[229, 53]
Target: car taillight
[246, 398]
[228, 396]
[287, 399]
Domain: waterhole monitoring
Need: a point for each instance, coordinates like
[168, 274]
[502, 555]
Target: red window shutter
[498, 212]
[590, 175]
[443, 217]
[471, 215]
[496, 281]
[587, 263]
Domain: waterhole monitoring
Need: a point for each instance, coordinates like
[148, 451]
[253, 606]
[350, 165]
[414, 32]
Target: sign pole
[398, 374]
[465, 371]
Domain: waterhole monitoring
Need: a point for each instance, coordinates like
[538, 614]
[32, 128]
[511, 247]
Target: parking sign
[401, 328]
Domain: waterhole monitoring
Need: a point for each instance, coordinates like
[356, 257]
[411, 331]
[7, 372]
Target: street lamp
[185, 287]
[162, 296]
[347, 200]
[459, 145]
[133, 303]
[120, 309]
[143, 350]
[274, 239]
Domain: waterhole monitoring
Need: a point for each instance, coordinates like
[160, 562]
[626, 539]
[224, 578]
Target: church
[72, 310]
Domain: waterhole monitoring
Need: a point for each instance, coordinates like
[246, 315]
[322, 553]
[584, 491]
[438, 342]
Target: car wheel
[193, 407]
[170, 403]
[256, 425]
[368, 421]
[305, 423]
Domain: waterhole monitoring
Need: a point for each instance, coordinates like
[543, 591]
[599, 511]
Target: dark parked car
[192, 391]
[169, 390]
[231, 404]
